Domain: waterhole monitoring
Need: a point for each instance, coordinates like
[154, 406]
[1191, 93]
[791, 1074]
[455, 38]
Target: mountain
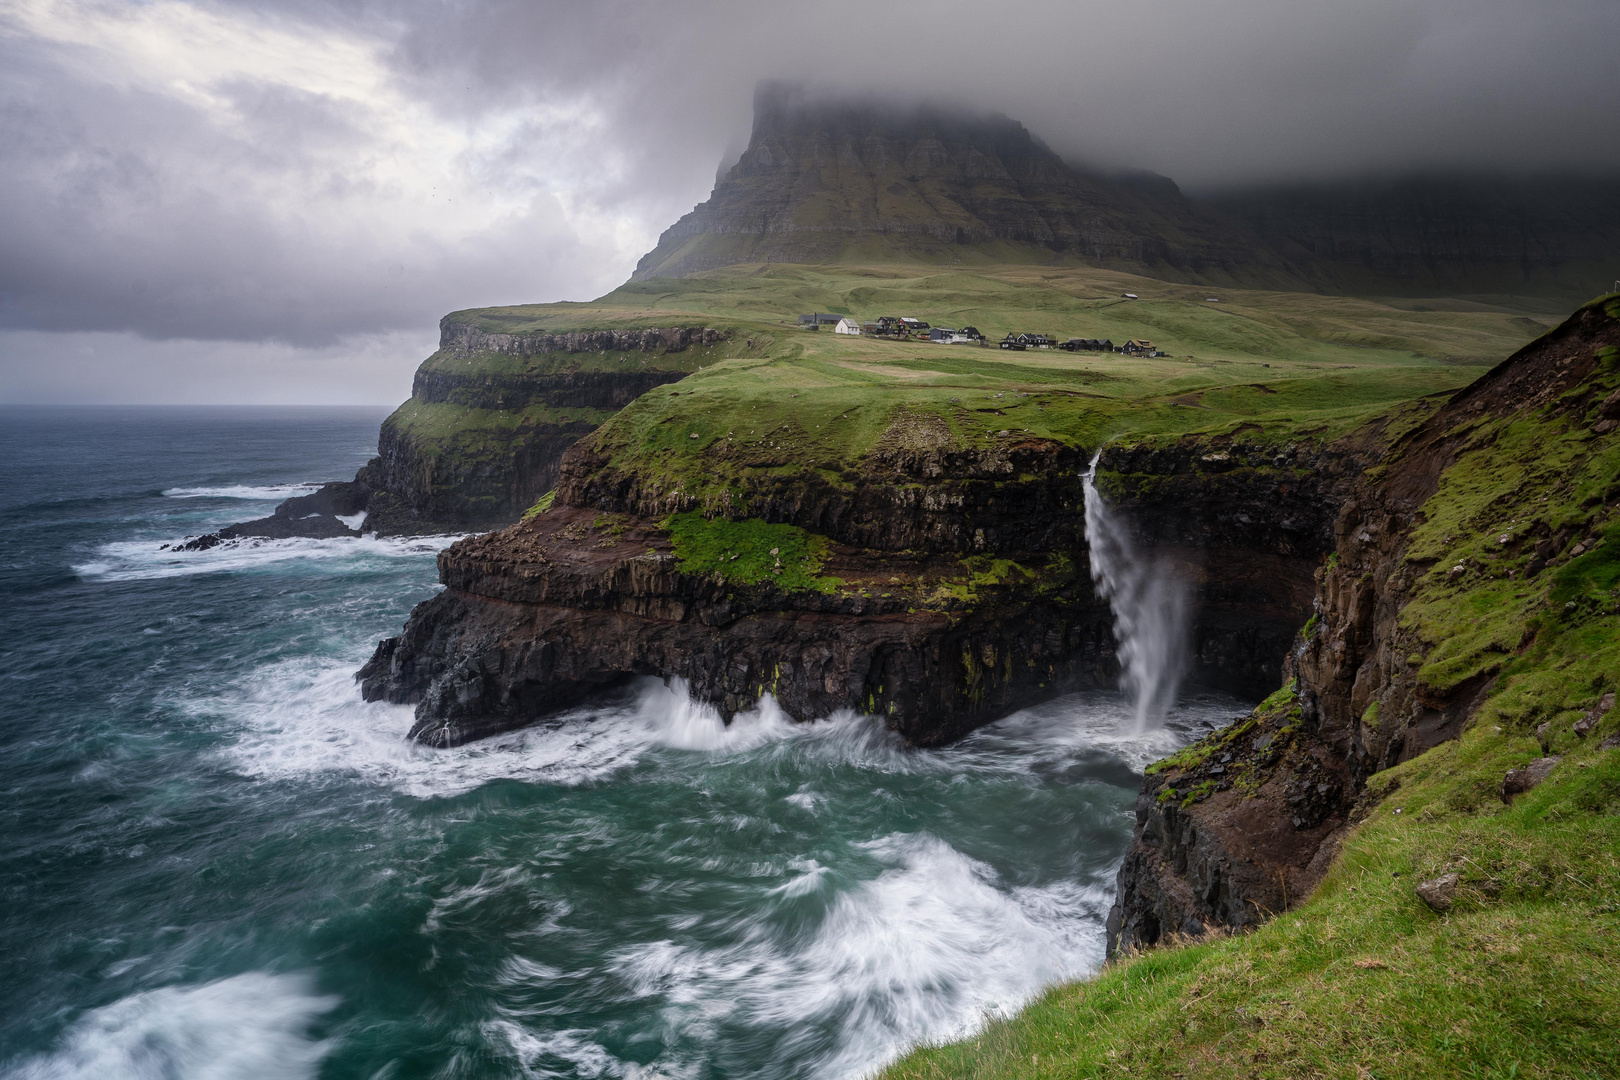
[1555, 236]
[828, 179]
[851, 180]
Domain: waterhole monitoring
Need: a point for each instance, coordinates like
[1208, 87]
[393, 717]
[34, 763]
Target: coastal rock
[442, 468]
[590, 593]
[542, 615]
[1362, 704]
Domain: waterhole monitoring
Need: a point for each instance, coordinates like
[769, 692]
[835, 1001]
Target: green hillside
[777, 400]
[1521, 976]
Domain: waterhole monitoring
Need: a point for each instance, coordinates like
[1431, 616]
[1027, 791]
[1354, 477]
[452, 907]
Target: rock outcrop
[538, 617]
[1245, 823]
[484, 431]
[916, 625]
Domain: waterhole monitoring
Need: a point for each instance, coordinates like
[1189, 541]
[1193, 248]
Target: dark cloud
[312, 174]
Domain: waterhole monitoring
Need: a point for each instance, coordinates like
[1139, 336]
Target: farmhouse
[1139, 347]
[1085, 344]
[847, 325]
[1036, 341]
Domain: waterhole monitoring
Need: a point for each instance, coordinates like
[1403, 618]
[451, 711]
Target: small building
[890, 325]
[870, 329]
[817, 319]
[1138, 347]
[847, 325]
[941, 335]
[1035, 341]
[1011, 341]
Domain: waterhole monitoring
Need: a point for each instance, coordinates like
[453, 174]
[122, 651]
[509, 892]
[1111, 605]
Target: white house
[847, 325]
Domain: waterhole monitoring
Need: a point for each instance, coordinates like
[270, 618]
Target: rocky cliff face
[1248, 520]
[1407, 639]
[958, 587]
[540, 616]
[484, 431]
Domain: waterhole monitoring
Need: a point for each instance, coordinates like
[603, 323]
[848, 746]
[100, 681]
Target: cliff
[829, 179]
[945, 587]
[1468, 570]
[489, 417]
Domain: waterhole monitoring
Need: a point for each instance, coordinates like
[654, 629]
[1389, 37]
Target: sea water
[216, 861]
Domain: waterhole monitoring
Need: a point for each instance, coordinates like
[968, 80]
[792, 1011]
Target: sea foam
[924, 952]
[264, 492]
[254, 1025]
[145, 560]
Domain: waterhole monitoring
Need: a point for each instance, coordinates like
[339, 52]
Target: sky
[274, 202]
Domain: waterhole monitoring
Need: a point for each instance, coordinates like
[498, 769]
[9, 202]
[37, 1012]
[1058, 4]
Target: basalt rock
[456, 474]
[465, 340]
[1248, 521]
[550, 611]
[1216, 856]
[590, 593]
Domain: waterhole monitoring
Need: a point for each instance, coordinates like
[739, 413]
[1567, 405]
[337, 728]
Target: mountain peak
[830, 176]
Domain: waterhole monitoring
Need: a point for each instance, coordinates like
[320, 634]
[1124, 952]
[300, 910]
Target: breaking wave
[264, 492]
[254, 1025]
[147, 560]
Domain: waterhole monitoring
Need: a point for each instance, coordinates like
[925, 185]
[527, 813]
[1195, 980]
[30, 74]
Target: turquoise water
[219, 862]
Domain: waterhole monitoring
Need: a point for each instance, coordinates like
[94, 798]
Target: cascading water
[1150, 603]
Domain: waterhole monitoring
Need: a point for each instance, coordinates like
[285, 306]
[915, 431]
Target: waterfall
[1150, 603]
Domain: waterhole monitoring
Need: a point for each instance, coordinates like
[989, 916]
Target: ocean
[219, 862]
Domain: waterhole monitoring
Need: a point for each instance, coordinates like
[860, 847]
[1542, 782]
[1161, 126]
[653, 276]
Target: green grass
[772, 402]
[1522, 976]
[749, 552]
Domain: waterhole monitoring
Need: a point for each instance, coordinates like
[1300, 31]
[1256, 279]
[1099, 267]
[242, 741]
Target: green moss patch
[750, 551]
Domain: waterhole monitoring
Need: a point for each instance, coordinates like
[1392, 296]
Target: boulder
[1518, 781]
[1594, 715]
[1439, 893]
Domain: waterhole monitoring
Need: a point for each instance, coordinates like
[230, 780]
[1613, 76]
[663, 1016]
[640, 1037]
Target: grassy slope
[787, 400]
[1522, 977]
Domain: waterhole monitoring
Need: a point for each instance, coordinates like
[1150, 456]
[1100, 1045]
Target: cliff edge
[1466, 568]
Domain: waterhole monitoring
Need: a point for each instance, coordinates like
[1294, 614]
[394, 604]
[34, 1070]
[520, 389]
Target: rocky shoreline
[591, 592]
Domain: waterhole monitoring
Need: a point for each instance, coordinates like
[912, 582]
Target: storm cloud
[298, 190]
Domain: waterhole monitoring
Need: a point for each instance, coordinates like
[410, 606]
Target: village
[899, 328]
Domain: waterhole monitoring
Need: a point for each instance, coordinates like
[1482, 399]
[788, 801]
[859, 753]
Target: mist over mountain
[830, 177]
[1443, 233]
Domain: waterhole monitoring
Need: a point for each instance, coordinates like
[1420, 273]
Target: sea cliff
[939, 590]
[1450, 565]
